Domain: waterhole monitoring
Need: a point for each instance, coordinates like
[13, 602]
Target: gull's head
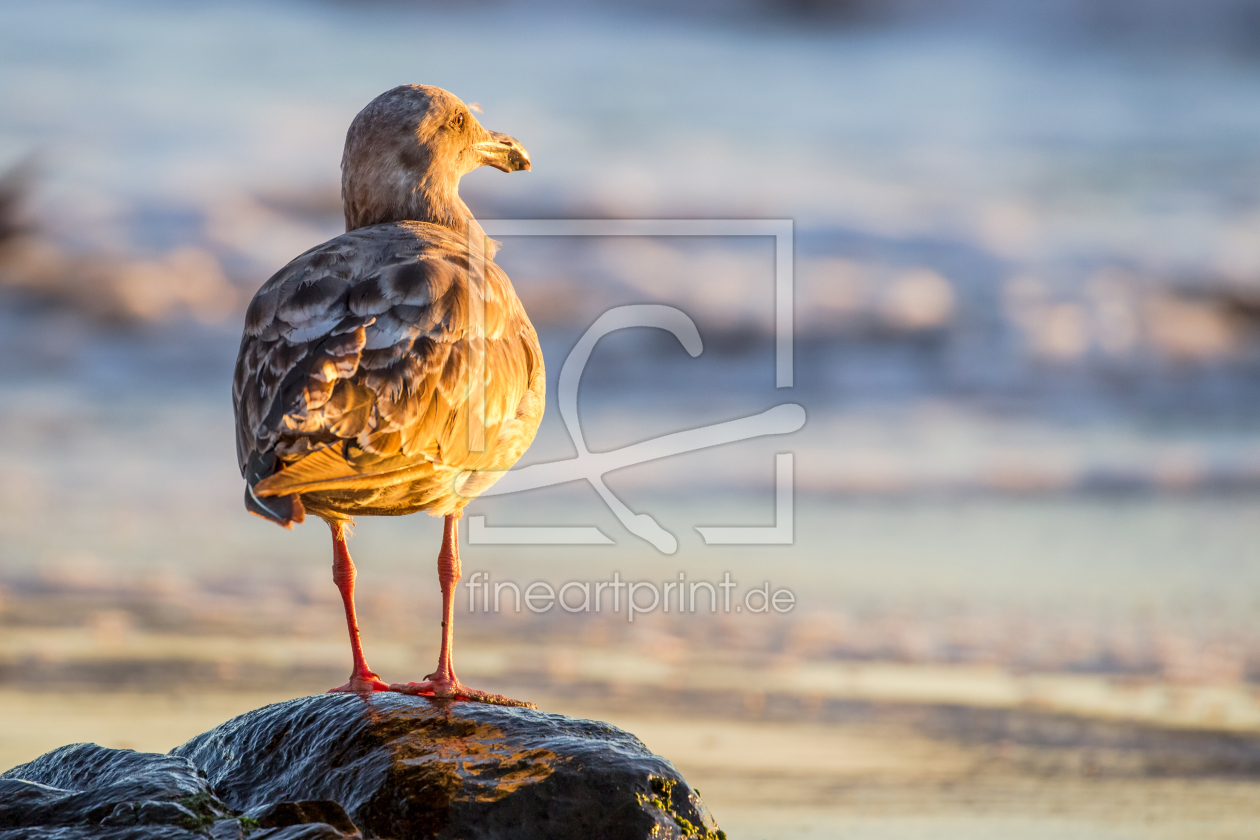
[406, 151]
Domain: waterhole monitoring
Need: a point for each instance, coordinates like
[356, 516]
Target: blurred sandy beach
[1026, 555]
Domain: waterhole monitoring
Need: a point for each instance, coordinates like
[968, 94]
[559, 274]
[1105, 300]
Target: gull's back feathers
[351, 386]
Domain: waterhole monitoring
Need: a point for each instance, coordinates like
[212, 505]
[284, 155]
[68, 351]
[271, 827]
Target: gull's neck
[375, 196]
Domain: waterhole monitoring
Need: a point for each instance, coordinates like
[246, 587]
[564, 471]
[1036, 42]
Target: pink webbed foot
[456, 690]
[364, 683]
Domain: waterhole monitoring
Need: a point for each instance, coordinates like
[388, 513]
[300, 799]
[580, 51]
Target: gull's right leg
[443, 682]
[362, 678]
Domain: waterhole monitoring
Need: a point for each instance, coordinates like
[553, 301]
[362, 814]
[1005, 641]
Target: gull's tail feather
[328, 469]
[282, 510]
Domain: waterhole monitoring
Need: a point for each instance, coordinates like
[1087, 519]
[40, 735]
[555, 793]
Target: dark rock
[282, 814]
[87, 785]
[227, 830]
[406, 766]
[20, 795]
[165, 813]
[156, 832]
[124, 814]
[386, 765]
[309, 831]
[145, 776]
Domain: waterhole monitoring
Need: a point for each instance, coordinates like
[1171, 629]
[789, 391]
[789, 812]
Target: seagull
[368, 382]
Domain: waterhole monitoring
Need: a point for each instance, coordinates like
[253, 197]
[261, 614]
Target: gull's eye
[459, 120]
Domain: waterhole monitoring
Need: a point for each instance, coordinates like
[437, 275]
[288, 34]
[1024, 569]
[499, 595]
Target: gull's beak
[502, 152]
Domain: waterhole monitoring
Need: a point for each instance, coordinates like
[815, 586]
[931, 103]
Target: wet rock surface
[417, 767]
[88, 791]
[335, 766]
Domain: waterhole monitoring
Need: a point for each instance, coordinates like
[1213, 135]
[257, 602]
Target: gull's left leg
[443, 682]
[362, 678]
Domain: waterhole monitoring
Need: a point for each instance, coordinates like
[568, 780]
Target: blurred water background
[1027, 261]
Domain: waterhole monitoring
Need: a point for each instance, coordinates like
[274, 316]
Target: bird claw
[361, 684]
[448, 690]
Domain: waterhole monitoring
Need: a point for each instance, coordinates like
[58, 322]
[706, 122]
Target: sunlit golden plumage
[352, 381]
